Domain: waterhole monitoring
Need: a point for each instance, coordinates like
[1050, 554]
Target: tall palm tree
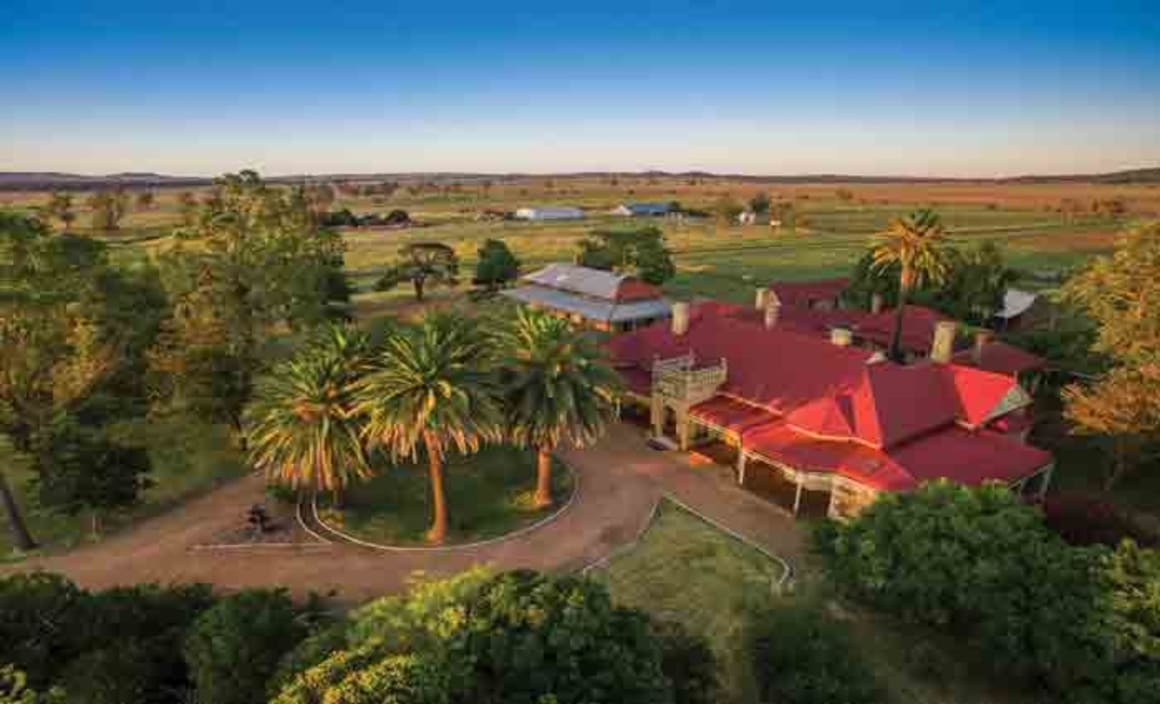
[557, 388]
[915, 243]
[303, 429]
[431, 388]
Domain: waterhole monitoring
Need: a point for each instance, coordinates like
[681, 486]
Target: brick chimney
[772, 312]
[876, 303]
[761, 298]
[943, 345]
[982, 339]
[680, 319]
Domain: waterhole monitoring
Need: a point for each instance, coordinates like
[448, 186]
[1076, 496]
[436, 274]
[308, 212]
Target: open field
[712, 259]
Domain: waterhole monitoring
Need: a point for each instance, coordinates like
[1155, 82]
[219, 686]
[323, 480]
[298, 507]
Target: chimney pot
[761, 298]
[772, 312]
[680, 319]
[876, 303]
[943, 345]
[982, 339]
[842, 337]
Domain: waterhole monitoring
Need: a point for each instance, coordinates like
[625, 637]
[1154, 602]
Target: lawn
[488, 495]
[686, 570]
[189, 458]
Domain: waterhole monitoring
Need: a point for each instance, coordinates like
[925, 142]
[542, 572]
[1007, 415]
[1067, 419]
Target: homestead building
[818, 422]
[601, 300]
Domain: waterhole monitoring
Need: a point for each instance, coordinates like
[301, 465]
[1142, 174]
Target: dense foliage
[144, 644]
[639, 251]
[423, 265]
[496, 266]
[801, 655]
[514, 638]
[1082, 621]
[1124, 404]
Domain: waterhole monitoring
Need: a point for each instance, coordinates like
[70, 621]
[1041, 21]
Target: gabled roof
[596, 283]
[589, 307]
[800, 293]
[1016, 302]
[647, 208]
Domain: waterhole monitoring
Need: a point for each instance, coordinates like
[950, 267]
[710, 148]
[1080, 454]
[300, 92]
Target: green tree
[234, 647]
[145, 199]
[423, 264]
[187, 206]
[727, 209]
[14, 689]
[431, 388]
[516, 638]
[108, 207]
[976, 280]
[67, 331]
[60, 207]
[558, 389]
[303, 428]
[254, 258]
[1118, 292]
[40, 616]
[639, 251]
[497, 266]
[801, 655]
[90, 471]
[759, 203]
[914, 242]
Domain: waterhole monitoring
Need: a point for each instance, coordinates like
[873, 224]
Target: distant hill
[47, 180]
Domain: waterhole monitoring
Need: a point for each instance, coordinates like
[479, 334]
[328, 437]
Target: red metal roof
[633, 289]
[1001, 358]
[730, 414]
[801, 293]
[817, 406]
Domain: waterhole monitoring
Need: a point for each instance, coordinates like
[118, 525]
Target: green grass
[188, 457]
[488, 495]
[687, 571]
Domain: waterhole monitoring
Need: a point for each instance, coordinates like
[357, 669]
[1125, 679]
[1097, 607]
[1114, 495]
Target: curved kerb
[465, 546]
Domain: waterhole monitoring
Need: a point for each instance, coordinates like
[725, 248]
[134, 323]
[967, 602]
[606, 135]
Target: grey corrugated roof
[590, 308]
[648, 208]
[578, 279]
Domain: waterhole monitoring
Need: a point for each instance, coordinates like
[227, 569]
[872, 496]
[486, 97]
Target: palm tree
[914, 242]
[557, 388]
[431, 388]
[303, 429]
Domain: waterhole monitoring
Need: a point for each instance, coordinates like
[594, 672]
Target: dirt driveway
[620, 480]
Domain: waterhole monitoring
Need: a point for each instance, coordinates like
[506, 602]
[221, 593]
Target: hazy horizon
[956, 91]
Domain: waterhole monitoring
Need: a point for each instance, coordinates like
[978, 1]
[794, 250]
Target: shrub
[802, 656]
[233, 648]
[688, 663]
[40, 614]
[1091, 520]
[518, 637]
[134, 671]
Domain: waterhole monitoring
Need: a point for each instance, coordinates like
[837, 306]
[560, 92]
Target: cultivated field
[1040, 225]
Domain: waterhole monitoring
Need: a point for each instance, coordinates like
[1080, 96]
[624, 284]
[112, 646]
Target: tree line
[89, 345]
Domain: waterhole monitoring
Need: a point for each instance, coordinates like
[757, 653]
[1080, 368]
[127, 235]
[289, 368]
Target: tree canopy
[497, 266]
[423, 264]
[639, 251]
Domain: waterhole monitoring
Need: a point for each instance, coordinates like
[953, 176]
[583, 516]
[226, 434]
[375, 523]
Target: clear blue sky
[968, 89]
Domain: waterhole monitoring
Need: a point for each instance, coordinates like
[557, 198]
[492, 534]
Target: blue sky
[970, 89]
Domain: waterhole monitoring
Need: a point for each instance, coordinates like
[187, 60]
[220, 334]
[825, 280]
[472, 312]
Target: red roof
[918, 323]
[952, 453]
[633, 289]
[802, 293]
[821, 407]
[1001, 358]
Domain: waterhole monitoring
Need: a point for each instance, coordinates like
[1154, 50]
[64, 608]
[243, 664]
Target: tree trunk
[418, 283]
[96, 524]
[16, 525]
[543, 478]
[895, 352]
[1119, 463]
[438, 531]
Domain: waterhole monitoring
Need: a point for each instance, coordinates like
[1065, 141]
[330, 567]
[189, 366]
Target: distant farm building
[597, 299]
[552, 213]
[643, 210]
